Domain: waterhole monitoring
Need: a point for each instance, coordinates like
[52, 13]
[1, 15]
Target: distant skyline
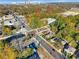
[34, 1]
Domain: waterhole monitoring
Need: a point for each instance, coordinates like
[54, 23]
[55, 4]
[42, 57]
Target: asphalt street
[51, 51]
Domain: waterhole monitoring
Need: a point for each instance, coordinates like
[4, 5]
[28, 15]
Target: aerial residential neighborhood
[39, 29]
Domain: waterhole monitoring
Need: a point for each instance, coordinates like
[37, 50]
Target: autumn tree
[8, 53]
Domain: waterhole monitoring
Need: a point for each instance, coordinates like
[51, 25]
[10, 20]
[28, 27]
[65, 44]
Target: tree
[7, 53]
[7, 31]
[27, 52]
[68, 39]
[1, 46]
[36, 22]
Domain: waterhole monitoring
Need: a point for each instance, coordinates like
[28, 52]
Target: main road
[52, 52]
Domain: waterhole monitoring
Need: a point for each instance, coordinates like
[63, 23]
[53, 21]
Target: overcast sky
[36, 1]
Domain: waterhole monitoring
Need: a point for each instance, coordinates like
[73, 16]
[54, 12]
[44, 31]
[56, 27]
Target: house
[32, 33]
[8, 23]
[63, 42]
[22, 30]
[11, 22]
[69, 49]
[6, 17]
[69, 13]
[51, 20]
[56, 40]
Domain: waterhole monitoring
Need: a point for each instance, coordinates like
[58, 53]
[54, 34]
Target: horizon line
[35, 2]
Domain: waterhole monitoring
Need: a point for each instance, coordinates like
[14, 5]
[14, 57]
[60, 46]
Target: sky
[35, 1]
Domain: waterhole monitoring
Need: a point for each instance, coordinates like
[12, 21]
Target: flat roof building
[51, 20]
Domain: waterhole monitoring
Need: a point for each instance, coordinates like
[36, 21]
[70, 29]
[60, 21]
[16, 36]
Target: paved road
[55, 54]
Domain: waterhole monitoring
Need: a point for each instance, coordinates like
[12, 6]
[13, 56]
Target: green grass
[26, 53]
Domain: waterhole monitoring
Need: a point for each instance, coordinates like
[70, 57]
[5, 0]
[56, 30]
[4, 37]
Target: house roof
[70, 50]
[63, 42]
[23, 30]
[8, 23]
[68, 13]
[50, 20]
[6, 17]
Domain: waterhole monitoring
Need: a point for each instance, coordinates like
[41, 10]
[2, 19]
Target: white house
[8, 23]
[70, 50]
[69, 13]
[6, 17]
[22, 30]
[11, 22]
[51, 20]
